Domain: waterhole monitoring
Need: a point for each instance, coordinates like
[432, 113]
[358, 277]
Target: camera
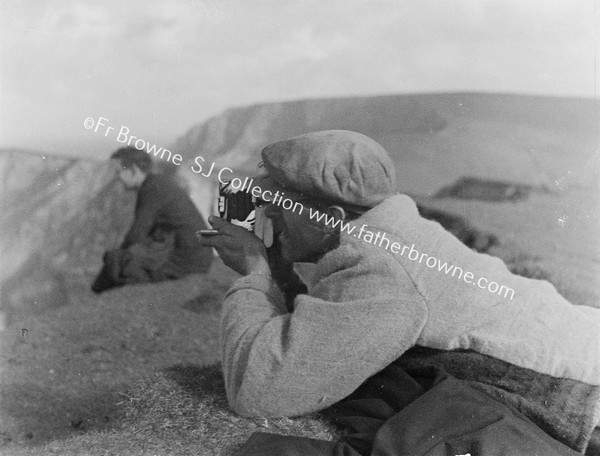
[237, 207]
[243, 209]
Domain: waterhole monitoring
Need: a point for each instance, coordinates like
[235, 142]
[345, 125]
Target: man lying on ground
[161, 243]
[372, 301]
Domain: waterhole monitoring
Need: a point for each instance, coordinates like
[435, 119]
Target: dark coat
[164, 210]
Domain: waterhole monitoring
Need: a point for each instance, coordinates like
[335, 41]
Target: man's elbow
[270, 404]
[256, 406]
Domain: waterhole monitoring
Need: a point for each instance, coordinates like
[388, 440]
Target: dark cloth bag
[564, 409]
[394, 414]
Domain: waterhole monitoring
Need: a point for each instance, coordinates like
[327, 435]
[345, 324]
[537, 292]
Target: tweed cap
[336, 166]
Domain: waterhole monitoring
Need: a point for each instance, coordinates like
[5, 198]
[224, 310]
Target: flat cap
[337, 166]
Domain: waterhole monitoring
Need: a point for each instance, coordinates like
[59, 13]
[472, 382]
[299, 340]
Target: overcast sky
[159, 67]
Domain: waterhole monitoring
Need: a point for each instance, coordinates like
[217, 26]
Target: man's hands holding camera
[239, 249]
[246, 254]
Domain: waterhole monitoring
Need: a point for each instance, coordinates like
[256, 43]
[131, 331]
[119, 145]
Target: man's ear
[338, 213]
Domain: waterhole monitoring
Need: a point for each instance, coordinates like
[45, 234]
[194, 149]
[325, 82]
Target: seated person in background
[369, 302]
[161, 243]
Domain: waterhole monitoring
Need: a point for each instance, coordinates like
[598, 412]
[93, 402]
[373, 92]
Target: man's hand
[239, 249]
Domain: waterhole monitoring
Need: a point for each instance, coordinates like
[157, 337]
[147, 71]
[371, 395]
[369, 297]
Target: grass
[180, 411]
[134, 370]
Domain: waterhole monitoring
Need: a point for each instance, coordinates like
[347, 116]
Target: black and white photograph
[300, 228]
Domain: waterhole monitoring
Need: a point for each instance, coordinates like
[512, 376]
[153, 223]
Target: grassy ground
[181, 410]
[135, 369]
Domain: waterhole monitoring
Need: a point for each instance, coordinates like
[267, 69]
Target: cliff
[58, 215]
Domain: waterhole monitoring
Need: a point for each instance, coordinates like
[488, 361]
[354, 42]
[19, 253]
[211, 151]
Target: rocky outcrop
[58, 216]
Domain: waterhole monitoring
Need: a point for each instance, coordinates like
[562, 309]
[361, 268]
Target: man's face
[130, 177]
[301, 238]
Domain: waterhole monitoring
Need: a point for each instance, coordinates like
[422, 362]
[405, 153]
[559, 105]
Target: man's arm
[361, 316]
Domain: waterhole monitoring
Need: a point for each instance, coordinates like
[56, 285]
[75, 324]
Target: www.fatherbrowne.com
[413, 254]
[363, 233]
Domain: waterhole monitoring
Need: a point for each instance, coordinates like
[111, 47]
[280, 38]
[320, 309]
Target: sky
[160, 67]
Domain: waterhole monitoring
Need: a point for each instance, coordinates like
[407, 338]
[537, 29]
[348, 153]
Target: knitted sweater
[371, 301]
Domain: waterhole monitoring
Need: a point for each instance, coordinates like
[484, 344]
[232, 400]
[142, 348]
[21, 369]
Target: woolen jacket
[373, 300]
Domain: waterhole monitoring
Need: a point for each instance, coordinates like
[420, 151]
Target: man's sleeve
[149, 203]
[277, 363]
